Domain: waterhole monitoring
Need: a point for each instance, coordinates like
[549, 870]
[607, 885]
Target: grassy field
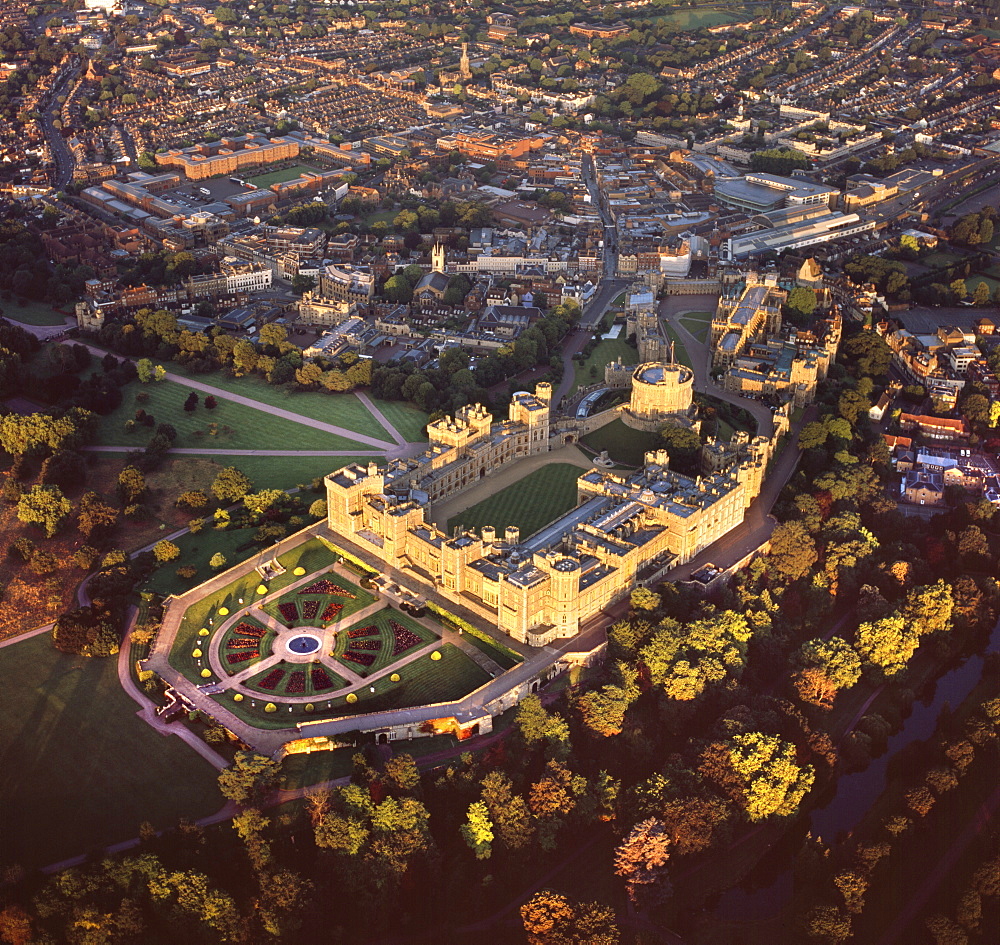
[279, 177]
[592, 370]
[343, 410]
[624, 445]
[32, 313]
[236, 426]
[973, 281]
[699, 324]
[939, 260]
[529, 504]
[80, 769]
[699, 19]
[409, 422]
[285, 472]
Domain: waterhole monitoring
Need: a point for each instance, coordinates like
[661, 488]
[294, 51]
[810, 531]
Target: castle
[625, 528]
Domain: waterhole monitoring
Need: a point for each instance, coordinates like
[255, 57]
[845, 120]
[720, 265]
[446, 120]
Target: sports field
[80, 770]
[529, 504]
[279, 177]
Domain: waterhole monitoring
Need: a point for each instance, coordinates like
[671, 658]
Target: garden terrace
[211, 611]
[382, 639]
[322, 601]
[243, 644]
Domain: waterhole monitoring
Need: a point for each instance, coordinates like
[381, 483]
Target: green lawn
[939, 260]
[384, 655]
[973, 281]
[32, 313]
[529, 504]
[699, 324]
[279, 177]
[236, 426]
[285, 472]
[342, 410]
[592, 370]
[409, 422]
[624, 445]
[80, 770]
[699, 19]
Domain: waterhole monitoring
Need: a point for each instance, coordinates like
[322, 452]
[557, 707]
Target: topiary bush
[270, 707]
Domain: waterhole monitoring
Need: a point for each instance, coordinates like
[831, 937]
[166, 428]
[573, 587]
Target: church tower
[438, 257]
[463, 64]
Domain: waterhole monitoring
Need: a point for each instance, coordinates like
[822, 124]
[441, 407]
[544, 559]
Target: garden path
[378, 415]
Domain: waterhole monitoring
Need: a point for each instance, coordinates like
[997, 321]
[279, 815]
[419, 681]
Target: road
[62, 158]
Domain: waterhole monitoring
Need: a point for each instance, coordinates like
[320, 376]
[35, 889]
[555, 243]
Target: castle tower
[463, 64]
[438, 257]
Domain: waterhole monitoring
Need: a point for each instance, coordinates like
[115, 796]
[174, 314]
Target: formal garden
[306, 639]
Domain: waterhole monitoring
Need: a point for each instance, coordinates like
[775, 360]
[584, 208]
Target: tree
[550, 918]
[260, 502]
[793, 551]
[759, 773]
[869, 352]
[192, 402]
[318, 509]
[823, 668]
[398, 289]
[888, 643]
[131, 484]
[196, 499]
[536, 724]
[144, 370]
[86, 631]
[478, 830]
[217, 562]
[682, 445]
[231, 485]
[166, 550]
[981, 296]
[210, 402]
[94, 514]
[800, 304]
[45, 506]
[249, 778]
[641, 858]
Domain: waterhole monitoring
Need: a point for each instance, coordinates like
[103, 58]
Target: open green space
[972, 283]
[285, 472]
[32, 313]
[939, 259]
[355, 599]
[312, 555]
[529, 504]
[80, 770]
[229, 426]
[385, 638]
[687, 20]
[592, 370]
[279, 177]
[342, 410]
[699, 324]
[410, 423]
[624, 445]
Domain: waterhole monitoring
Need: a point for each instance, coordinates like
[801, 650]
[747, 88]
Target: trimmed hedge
[457, 623]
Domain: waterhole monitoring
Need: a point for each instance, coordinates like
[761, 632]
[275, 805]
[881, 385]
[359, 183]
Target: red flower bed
[405, 638]
[289, 611]
[321, 680]
[239, 643]
[296, 683]
[249, 630]
[309, 609]
[362, 659]
[367, 645]
[271, 680]
[327, 587]
[233, 658]
[368, 631]
[332, 609]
